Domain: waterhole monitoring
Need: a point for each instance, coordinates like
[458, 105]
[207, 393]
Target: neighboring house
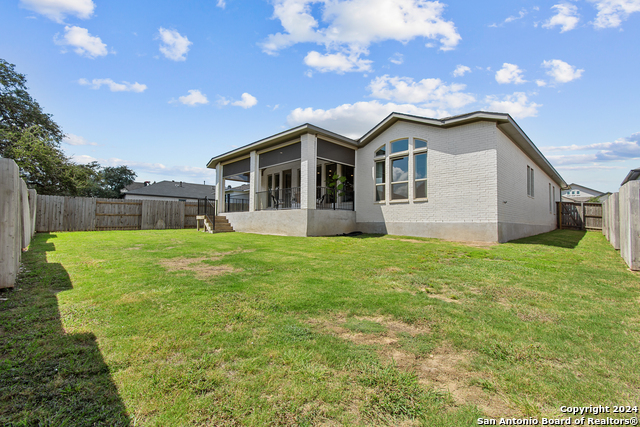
[469, 177]
[633, 175]
[172, 190]
[237, 198]
[580, 193]
[134, 186]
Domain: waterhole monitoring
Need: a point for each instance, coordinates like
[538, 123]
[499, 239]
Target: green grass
[116, 328]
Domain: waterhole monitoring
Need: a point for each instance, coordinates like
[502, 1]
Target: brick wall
[461, 171]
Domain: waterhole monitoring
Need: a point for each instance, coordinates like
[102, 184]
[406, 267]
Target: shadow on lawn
[559, 238]
[48, 377]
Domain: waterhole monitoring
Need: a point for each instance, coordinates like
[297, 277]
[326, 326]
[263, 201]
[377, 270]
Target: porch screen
[336, 153]
[280, 155]
[236, 168]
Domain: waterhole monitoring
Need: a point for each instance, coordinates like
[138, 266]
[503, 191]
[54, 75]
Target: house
[404, 177]
[633, 175]
[134, 186]
[580, 193]
[172, 190]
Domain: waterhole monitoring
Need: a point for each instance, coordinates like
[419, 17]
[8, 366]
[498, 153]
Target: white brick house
[470, 177]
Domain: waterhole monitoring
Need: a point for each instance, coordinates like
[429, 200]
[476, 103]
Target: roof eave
[279, 138]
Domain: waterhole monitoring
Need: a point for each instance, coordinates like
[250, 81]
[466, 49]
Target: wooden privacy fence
[622, 222]
[580, 216]
[58, 213]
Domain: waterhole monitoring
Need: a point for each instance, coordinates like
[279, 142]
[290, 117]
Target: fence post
[10, 223]
[560, 215]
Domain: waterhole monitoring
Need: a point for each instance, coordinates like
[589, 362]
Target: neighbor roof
[177, 189]
[572, 186]
[633, 175]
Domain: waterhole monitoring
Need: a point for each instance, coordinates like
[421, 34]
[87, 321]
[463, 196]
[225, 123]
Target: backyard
[176, 327]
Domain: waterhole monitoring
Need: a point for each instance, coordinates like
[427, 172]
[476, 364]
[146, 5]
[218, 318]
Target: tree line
[32, 139]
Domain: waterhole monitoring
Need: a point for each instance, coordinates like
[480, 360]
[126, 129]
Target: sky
[164, 86]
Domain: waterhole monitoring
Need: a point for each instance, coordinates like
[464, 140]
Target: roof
[239, 188]
[633, 175]
[503, 121]
[279, 138]
[133, 186]
[177, 189]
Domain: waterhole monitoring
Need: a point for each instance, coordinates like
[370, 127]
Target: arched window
[405, 155]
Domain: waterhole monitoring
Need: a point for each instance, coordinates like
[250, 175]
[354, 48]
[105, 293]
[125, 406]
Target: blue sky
[165, 86]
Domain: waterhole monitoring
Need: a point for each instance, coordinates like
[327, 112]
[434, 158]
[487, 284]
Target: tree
[19, 111]
[32, 139]
[115, 179]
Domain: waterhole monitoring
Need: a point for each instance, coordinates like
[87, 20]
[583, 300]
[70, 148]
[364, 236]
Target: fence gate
[580, 216]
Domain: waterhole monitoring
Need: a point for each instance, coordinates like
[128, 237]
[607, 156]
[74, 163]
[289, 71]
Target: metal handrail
[280, 198]
[208, 208]
[334, 199]
[236, 204]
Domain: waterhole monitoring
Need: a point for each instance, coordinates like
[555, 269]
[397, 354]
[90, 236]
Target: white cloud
[113, 86]
[174, 46]
[72, 139]
[620, 149]
[84, 43]
[354, 120]
[154, 168]
[461, 70]
[566, 17]
[246, 101]
[432, 93]
[541, 83]
[509, 73]
[611, 13]
[348, 27]
[221, 4]
[521, 15]
[338, 62]
[195, 97]
[517, 105]
[561, 72]
[56, 10]
[397, 58]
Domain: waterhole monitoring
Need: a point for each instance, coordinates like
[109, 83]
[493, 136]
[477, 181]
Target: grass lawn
[176, 327]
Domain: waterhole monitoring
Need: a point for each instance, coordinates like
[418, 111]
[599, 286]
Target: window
[419, 144]
[407, 162]
[400, 178]
[420, 169]
[380, 181]
[550, 205]
[400, 145]
[554, 198]
[530, 186]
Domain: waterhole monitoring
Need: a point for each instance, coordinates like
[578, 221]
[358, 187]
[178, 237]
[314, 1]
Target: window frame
[387, 160]
[418, 152]
[530, 182]
[404, 155]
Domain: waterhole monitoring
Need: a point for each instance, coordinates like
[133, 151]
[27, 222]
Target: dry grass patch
[197, 266]
[445, 369]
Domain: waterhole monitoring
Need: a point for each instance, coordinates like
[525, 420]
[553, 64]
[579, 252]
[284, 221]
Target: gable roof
[177, 189]
[633, 175]
[503, 121]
